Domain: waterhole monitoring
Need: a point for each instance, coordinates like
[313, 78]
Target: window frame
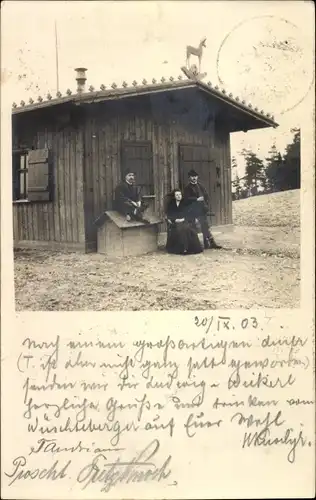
[18, 172]
[16, 176]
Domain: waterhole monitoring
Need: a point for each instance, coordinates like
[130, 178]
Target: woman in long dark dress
[182, 238]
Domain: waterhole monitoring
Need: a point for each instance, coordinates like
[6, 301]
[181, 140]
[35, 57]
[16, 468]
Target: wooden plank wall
[62, 220]
[87, 166]
[223, 139]
[228, 169]
[109, 124]
[105, 131]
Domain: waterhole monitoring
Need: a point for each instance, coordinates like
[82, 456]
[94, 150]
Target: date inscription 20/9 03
[224, 323]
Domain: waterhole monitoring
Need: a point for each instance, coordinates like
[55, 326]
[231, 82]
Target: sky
[260, 51]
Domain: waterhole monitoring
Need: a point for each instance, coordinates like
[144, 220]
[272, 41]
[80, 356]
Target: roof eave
[268, 122]
[147, 89]
[42, 105]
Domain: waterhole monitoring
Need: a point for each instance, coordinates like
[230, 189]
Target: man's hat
[192, 173]
[128, 171]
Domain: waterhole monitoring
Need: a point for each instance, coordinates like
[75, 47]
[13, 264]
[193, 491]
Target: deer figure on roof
[196, 51]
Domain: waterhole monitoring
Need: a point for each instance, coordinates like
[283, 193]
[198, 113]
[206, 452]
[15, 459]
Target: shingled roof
[143, 88]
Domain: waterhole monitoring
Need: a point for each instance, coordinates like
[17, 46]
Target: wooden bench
[117, 237]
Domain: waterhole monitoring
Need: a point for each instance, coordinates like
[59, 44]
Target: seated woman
[182, 238]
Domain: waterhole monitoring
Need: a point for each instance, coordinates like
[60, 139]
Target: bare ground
[231, 278]
[260, 267]
[273, 210]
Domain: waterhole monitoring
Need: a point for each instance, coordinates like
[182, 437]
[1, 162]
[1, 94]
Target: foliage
[234, 162]
[292, 161]
[254, 169]
[236, 180]
[283, 173]
[275, 173]
[274, 164]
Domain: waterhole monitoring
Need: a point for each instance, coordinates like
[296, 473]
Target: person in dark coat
[128, 200]
[197, 198]
[182, 238]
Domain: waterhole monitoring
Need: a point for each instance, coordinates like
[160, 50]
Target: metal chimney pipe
[81, 79]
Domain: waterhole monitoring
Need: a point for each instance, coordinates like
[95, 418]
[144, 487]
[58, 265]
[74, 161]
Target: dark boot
[207, 244]
[208, 239]
[213, 244]
[140, 218]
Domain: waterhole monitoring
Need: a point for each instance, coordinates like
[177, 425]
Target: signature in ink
[20, 472]
[263, 436]
[289, 438]
[140, 469]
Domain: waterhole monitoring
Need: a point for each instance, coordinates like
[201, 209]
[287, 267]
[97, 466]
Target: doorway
[200, 159]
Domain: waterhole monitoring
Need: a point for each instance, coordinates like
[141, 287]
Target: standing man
[128, 200]
[197, 199]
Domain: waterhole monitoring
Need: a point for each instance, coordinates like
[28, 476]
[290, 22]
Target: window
[20, 175]
[32, 179]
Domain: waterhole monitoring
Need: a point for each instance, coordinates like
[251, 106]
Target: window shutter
[138, 157]
[39, 175]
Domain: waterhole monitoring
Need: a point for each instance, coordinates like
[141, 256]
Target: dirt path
[214, 279]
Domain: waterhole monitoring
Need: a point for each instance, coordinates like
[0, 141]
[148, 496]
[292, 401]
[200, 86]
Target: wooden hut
[69, 153]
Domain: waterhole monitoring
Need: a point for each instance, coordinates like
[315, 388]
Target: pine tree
[292, 161]
[272, 169]
[284, 173]
[237, 187]
[234, 163]
[254, 170]
[236, 180]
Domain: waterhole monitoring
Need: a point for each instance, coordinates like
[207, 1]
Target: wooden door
[138, 158]
[199, 158]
